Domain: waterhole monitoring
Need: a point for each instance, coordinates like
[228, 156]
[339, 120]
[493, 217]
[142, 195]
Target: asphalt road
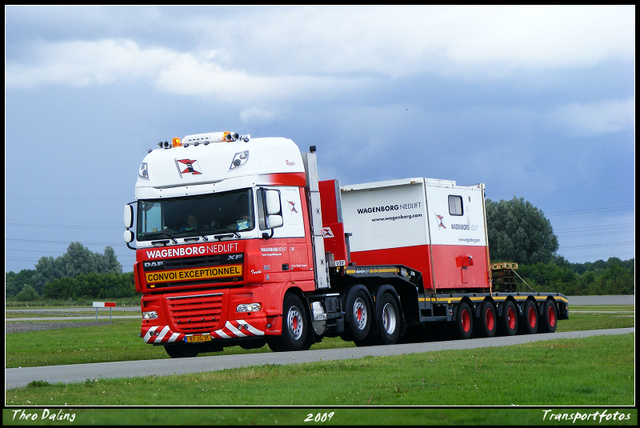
[20, 377]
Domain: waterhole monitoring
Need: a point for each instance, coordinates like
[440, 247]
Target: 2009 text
[319, 417]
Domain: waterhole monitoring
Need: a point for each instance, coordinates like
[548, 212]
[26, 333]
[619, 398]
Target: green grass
[119, 341]
[594, 371]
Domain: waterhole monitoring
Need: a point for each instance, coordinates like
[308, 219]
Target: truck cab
[220, 238]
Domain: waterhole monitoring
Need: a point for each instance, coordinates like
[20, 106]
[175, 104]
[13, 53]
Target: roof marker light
[176, 142]
[230, 136]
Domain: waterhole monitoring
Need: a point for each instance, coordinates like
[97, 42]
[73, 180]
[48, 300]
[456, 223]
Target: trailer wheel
[549, 319]
[181, 351]
[463, 324]
[359, 315]
[508, 321]
[529, 321]
[488, 321]
[388, 319]
[294, 326]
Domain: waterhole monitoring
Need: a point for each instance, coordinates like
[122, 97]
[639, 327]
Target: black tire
[529, 318]
[181, 351]
[463, 325]
[388, 318]
[549, 318]
[295, 326]
[508, 319]
[253, 344]
[359, 315]
[487, 320]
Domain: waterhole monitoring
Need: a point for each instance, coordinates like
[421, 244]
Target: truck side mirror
[272, 202]
[128, 216]
[273, 210]
[128, 236]
[274, 221]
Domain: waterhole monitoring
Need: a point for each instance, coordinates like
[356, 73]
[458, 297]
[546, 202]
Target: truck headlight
[151, 315]
[249, 307]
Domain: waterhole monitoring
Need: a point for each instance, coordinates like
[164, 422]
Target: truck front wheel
[294, 326]
[181, 351]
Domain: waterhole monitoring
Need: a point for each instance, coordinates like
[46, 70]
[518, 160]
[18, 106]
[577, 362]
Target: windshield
[195, 215]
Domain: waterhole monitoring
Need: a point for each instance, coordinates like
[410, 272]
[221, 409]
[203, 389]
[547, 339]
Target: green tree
[78, 260]
[519, 232]
[16, 281]
[47, 269]
[27, 294]
[108, 262]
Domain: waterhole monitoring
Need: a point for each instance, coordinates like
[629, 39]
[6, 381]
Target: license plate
[199, 338]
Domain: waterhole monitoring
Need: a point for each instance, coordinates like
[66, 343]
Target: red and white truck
[238, 243]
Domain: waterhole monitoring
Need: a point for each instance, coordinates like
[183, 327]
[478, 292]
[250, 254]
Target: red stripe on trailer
[416, 257]
[454, 266]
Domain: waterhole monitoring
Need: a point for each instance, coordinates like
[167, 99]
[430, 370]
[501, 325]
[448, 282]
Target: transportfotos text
[597, 416]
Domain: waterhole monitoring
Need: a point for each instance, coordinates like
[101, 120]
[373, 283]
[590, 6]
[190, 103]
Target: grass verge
[119, 340]
[594, 371]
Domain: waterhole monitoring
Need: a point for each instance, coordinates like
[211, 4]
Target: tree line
[78, 273]
[517, 232]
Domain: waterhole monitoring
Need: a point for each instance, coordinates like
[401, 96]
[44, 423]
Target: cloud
[263, 114]
[276, 51]
[405, 40]
[80, 63]
[599, 118]
[200, 74]
[540, 37]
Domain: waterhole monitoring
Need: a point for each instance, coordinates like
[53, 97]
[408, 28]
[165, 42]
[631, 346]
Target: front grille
[195, 313]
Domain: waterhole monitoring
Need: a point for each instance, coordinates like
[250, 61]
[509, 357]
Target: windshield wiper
[197, 238]
[228, 235]
[175, 241]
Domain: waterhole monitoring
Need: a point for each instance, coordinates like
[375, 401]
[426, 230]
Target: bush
[28, 293]
[599, 278]
[91, 285]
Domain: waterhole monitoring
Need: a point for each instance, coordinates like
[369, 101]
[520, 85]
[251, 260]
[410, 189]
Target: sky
[536, 102]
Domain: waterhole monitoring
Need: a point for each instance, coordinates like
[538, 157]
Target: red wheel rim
[532, 317]
[511, 318]
[465, 319]
[489, 319]
[551, 316]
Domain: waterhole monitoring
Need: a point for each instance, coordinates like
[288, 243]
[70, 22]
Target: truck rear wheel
[549, 319]
[463, 324]
[359, 315]
[488, 321]
[294, 326]
[388, 319]
[508, 321]
[529, 320]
